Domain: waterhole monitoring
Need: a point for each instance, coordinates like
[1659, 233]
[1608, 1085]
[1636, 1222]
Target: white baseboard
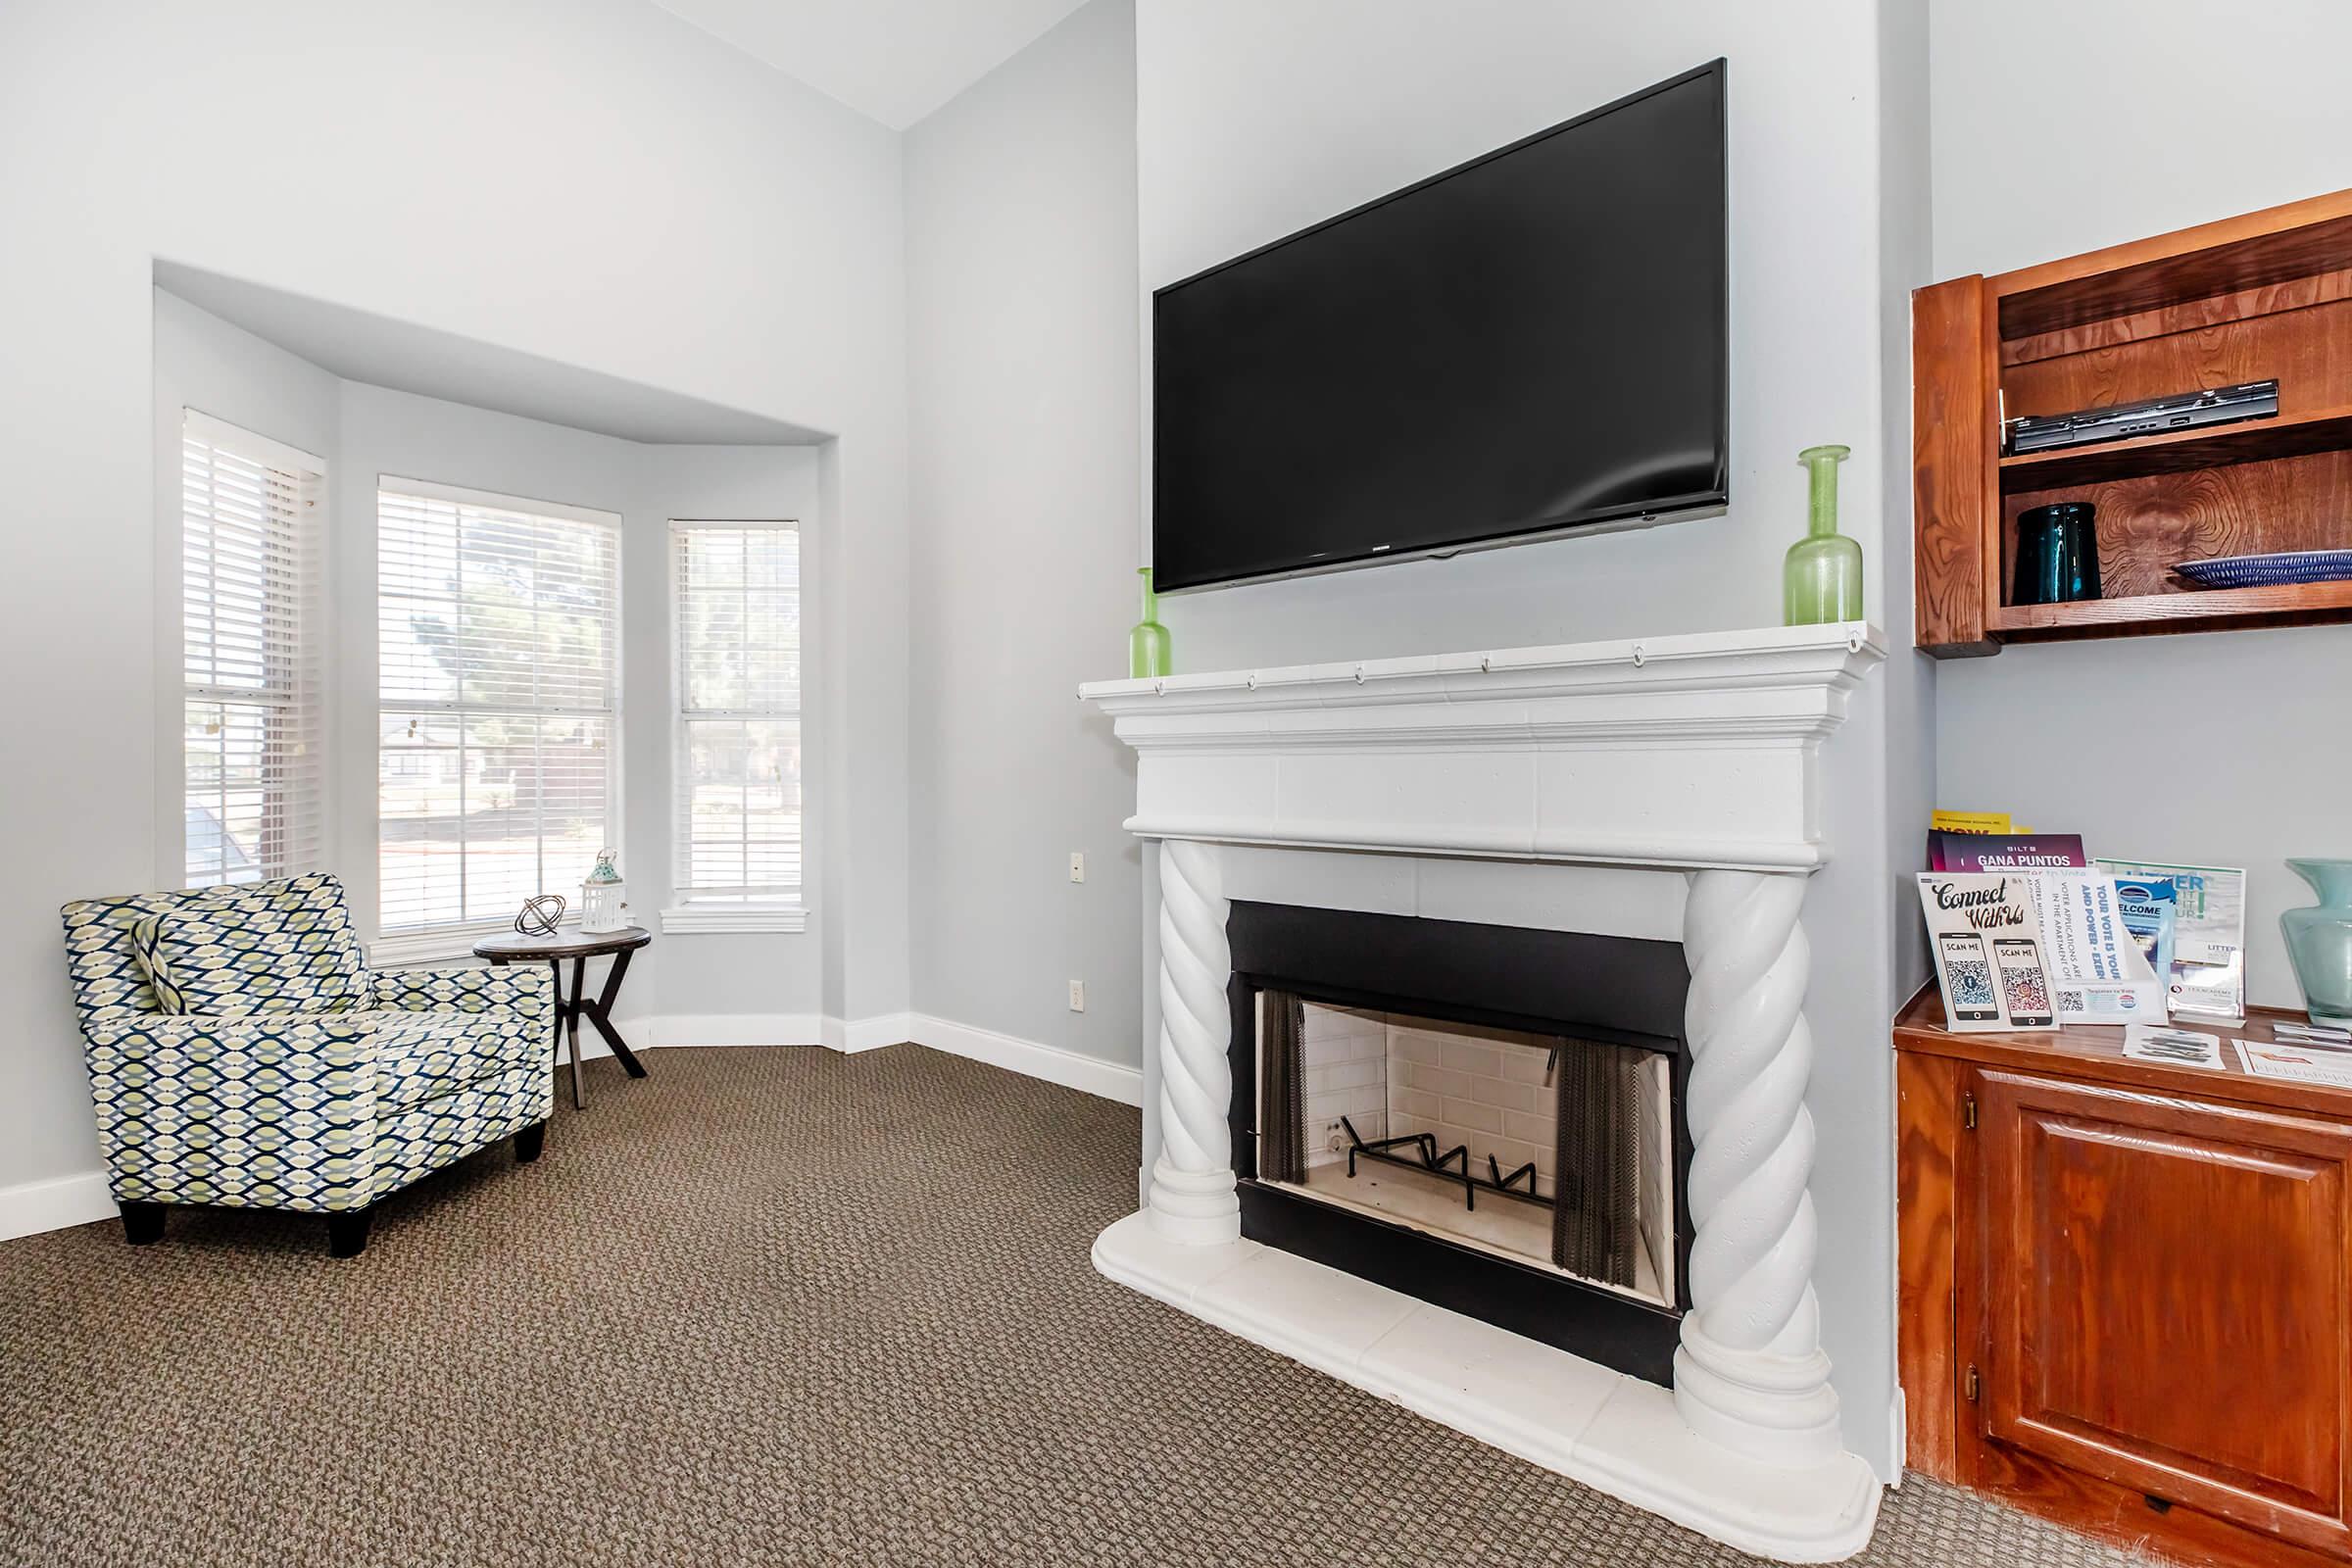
[30, 1208]
[868, 1034]
[1110, 1080]
[729, 1029]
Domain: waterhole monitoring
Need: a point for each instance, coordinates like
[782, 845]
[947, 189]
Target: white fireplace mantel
[1696, 754]
[1683, 751]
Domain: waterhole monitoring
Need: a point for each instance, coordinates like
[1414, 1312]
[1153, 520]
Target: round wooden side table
[513, 947]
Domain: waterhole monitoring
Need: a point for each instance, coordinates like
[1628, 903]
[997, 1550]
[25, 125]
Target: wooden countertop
[2095, 1052]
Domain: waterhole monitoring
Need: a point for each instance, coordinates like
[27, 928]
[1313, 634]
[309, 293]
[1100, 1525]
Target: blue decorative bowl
[2271, 570]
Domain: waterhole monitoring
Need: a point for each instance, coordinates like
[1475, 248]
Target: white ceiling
[362, 347]
[891, 60]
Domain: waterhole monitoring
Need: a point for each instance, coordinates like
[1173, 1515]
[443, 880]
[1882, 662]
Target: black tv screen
[1533, 342]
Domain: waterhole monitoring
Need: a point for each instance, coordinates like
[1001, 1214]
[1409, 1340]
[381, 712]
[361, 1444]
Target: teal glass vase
[2319, 938]
[1147, 639]
[1821, 581]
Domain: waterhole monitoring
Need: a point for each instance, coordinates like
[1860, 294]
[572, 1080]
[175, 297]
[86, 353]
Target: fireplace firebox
[1489, 1118]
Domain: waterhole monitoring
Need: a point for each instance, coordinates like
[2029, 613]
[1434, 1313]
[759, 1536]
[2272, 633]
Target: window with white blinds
[498, 658]
[738, 789]
[253, 740]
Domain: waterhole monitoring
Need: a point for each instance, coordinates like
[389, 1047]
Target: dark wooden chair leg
[347, 1233]
[142, 1223]
[529, 1141]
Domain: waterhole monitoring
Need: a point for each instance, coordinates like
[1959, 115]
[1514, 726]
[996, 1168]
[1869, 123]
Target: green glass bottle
[1148, 641]
[1821, 580]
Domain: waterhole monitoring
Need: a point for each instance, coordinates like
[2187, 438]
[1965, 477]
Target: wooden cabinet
[2129, 1305]
[2266, 296]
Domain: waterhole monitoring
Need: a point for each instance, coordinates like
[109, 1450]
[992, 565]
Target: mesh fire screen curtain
[1282, 1107]
[1596, 1210]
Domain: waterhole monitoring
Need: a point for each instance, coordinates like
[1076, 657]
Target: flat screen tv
[1530, 344]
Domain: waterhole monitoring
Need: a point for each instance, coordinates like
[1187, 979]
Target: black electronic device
[2181, 410]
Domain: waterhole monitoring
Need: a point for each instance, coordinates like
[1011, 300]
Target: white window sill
[442, 944]
[713, 919]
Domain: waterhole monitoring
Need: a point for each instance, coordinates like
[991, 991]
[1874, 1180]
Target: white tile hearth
[1615, 1433]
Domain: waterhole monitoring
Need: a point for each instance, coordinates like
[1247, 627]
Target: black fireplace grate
[1453, 1165]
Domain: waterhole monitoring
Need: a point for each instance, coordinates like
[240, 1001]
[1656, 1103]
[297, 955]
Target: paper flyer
[2004, 852]
[2296, 1064]
[2097, 974]
[2208, 979]
[1986, 940]
[2179, 1048]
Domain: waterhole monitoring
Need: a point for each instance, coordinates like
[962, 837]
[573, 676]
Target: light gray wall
[1254, 121]
[597, 182]
[203, 362]
[1020, 224]
[2222, 747]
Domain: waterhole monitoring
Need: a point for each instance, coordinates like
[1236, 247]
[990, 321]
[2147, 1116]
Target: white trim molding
[30, 1208]
[717, 919]
[1683, 753]
[1696, 754]
[853, 1035]
[436, 945]
[1091, 1075]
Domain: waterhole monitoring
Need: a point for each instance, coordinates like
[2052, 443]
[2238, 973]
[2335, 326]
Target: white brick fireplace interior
[1483, 1090]
[1663, 789]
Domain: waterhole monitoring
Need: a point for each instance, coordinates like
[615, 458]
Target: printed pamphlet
[2182, 1047]
[2296, 1064]
[2207, 982]
[2148, 903]
[1971, 822]
[2004, 852]
[2097, 972]
[1986, 934]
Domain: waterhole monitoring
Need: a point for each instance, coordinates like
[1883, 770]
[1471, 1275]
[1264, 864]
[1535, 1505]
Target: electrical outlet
[1077, 865]
[1334, 1139]
[1077, 996]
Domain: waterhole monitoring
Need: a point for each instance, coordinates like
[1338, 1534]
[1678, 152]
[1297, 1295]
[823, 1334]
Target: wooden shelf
[2302, 603]
[2096, 1051]
[2263, 297]
[2180, 450]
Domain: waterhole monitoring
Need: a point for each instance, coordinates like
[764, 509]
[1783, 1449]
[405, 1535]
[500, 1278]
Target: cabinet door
[2163, 1300]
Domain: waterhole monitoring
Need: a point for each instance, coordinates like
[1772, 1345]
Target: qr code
[2071, 1001]
[2029, 996]
[1971, 982]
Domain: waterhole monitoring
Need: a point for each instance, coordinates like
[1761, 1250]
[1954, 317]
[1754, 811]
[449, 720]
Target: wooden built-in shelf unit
[2263, 296]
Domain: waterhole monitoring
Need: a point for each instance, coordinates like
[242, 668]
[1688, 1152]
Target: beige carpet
[767, 1306]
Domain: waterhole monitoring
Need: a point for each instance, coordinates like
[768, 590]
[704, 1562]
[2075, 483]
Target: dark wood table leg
[571, 1022]
[599, 1014]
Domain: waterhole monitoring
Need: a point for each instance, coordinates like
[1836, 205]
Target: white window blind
[253, 742]
[738, 621]
[498, 666]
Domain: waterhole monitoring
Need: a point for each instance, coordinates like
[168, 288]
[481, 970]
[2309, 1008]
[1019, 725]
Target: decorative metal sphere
[540, 916]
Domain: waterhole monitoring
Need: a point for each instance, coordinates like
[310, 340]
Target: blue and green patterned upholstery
[280, 1108]
[286, 949]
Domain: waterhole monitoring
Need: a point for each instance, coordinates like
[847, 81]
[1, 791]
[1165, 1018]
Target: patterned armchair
[241, 1054]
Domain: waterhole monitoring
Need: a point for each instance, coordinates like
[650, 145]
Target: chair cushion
[422, 1055]
[274, 951]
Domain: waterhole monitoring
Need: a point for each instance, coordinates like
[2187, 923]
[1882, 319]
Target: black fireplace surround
[1620, 989]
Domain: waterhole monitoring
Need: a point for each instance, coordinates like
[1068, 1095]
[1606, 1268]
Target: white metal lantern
[604, 906]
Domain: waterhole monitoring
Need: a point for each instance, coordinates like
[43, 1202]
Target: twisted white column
[1750, 1373]
[1192, 1182]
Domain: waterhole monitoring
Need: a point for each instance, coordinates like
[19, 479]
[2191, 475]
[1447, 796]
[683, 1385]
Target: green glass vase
[1148, 641]
[1822, 579]
[2320, 941]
